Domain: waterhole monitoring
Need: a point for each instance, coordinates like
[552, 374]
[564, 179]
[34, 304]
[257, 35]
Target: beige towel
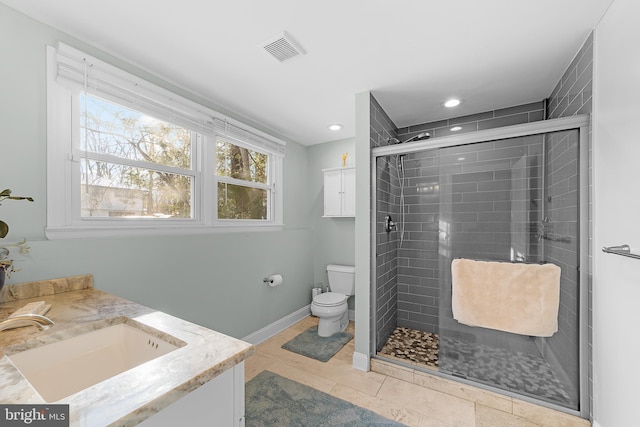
[518, 298]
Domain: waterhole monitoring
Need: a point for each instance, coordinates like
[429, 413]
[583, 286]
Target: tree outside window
[243, 190]
[128, 164]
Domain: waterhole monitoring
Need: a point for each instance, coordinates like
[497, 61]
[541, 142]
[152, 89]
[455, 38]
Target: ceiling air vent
[282, 47]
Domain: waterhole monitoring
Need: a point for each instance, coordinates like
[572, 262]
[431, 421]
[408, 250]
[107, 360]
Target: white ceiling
[412, 54]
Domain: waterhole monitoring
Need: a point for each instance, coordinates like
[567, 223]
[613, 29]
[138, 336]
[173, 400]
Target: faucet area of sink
[59, 369]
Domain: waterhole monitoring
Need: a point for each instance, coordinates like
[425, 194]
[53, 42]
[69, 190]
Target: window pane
[109, 128]
[112, 190]
[240, 163]
[240, 202]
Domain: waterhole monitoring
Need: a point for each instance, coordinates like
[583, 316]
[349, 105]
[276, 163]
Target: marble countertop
[134, 395]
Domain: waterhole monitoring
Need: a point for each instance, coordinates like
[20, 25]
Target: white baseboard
[361, 362]
[278, 326]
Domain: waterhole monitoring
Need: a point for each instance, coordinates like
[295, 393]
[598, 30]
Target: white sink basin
[65, 367]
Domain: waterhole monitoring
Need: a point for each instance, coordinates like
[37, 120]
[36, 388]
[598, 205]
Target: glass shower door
[512, 200]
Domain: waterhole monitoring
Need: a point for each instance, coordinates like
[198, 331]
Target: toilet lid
[329, 299]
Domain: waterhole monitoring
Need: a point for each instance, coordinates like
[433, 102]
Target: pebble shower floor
[521, 373]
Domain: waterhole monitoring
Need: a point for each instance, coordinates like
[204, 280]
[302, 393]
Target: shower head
[419, 137]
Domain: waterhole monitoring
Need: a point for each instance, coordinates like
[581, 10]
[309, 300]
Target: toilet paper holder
[273, 280]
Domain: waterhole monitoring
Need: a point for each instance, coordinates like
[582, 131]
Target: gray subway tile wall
[382, 130]
[518, 114]
[480, 192]
[573, 93]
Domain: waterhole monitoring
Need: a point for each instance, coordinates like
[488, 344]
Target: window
[126, 157]
[133, 165]
[243, 189]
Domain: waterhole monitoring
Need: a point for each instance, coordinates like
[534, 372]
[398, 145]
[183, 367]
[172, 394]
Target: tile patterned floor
[412, 345]
[527, 374]
[412, 397]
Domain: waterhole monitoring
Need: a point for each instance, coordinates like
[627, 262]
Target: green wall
[214, 280]
[334, 239]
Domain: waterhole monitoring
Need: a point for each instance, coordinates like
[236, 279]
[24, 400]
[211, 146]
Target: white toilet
[331, 307]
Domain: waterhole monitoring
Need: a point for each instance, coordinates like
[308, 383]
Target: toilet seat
[329, 299]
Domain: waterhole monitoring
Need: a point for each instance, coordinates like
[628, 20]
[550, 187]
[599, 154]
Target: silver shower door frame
[581, 123]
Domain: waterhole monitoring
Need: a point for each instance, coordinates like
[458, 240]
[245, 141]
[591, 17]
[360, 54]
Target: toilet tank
[342, 278]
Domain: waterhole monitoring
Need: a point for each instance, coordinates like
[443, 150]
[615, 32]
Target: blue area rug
[310, 344]
[272, 400]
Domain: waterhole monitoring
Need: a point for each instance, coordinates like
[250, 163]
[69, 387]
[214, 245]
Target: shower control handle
[389, 225]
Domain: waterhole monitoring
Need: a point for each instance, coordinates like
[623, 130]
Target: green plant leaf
[4, 229]
[6, 195]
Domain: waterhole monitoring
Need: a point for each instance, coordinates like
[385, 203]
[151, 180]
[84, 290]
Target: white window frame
[66, 81]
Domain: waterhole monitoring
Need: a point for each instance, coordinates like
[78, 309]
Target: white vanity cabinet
[219, 402]
[340, 192]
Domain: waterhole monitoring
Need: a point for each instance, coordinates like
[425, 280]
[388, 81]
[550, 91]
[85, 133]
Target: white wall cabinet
[340, 192]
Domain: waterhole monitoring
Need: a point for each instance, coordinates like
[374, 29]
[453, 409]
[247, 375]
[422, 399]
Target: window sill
[65, 233]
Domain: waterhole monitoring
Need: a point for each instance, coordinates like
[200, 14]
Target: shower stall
[516, 194]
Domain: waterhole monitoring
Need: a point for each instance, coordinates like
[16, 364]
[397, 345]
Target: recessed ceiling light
[452, 103]
[335, 127]
[456, 128]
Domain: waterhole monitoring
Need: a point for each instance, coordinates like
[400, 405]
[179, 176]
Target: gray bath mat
[272, 400]
[310, 344]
